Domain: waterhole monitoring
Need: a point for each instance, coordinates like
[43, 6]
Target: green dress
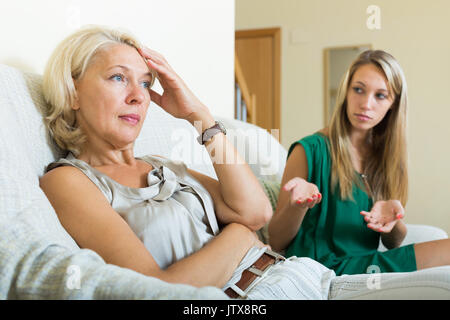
[334, 232]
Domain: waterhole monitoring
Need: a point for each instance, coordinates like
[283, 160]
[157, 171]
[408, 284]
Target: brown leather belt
[249, 275]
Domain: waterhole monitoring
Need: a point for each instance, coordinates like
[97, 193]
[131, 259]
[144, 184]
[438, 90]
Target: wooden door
[258, 52]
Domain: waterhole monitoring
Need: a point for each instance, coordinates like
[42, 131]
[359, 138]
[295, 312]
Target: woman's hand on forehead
[176, 99]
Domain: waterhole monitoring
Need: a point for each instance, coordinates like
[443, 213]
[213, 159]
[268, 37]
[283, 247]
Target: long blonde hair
[68, 63]
[386, 167]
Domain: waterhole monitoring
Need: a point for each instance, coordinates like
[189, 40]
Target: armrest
[419, 233]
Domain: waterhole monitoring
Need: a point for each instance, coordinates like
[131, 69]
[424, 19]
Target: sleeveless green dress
[334, 232]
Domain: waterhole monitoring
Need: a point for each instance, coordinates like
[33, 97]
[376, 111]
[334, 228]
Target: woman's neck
[101, 156]
[360, 140]
[359, 149]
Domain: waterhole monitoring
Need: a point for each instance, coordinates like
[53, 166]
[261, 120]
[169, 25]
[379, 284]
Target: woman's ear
[75, 106]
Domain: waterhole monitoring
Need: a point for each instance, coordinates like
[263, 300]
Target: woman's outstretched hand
[177, 99]
[302, 193]
[384, 215]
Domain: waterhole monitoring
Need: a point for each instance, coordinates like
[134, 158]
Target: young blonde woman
[346, 186]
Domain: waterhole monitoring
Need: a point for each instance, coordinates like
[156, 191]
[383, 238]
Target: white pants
[306, 279]
[294, 278]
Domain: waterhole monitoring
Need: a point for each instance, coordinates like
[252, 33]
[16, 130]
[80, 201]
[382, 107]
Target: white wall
[195, 36]
[415, 32]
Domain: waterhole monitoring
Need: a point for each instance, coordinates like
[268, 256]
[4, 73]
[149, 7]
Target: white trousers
[306, 279]
[293, 278]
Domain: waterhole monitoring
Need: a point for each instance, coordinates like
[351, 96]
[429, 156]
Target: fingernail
[399, 216]
[299, 201]
[310, 200]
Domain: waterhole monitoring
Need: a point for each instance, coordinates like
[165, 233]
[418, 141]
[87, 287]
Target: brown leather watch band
[211, 132]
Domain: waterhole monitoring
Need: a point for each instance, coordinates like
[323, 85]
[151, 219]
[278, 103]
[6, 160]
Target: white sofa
[39, 260]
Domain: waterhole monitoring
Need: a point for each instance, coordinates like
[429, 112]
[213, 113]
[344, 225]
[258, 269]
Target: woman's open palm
[302, 192]
[384, 215]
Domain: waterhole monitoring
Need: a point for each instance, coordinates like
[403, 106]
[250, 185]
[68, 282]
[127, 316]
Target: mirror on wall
[336, 62]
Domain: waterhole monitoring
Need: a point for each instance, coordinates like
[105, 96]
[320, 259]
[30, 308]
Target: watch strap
[211, 132]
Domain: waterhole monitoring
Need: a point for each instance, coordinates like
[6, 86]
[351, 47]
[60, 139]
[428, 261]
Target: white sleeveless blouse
[174, 216]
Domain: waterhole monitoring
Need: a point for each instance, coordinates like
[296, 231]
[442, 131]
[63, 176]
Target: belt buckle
[278, 257]
[243, 293]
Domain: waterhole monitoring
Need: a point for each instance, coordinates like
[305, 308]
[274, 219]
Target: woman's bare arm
[224, 213]
[238, 186]
[88, 217]
[289, 214]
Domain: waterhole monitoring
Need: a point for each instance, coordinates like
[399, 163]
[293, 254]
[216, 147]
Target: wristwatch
[211, 132]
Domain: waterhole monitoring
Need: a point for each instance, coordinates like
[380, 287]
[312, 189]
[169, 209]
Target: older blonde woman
[346, 186]
[151, 214]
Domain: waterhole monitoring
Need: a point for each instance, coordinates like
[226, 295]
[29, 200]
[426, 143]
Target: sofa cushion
[261, 150]
[26, 151]
[271, 189]
[176, 139]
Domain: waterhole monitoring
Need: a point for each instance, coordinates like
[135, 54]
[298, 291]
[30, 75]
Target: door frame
[274, 33]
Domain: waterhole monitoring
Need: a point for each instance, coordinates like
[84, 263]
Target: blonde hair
[386, 165]
[67, 63]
